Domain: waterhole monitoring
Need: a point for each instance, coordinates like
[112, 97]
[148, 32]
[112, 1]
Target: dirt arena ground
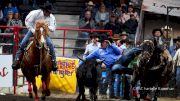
[64, 97]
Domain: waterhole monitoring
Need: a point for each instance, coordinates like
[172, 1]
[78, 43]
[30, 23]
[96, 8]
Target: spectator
[86, 23]
[90, 7]
[172, 47]
[123, 45]
[10, 8]
[123, 35]
[109, 4]
[130, 27]
[16, 21]
[157, 35]
[1, 14]
[112, 25]
[118, 11]
[1, 17]
[126, 15]
[93, 46]
[8, 17]
[176, 59]
[102, 17]
[116, 39]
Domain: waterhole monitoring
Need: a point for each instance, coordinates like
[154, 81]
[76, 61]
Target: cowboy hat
[116, 37]
[123, 33]
[90, 3]
[94, 35]
[105, 38]
[47, 7]
[154, 31]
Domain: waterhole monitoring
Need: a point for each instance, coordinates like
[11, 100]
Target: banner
[65, 79]
[6, 72]
[160, 6]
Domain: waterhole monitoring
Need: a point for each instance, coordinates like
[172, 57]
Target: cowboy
[176, 59]
[44, 13]
[110, 53]
[157, 36]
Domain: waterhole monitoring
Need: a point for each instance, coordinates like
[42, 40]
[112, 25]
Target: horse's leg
[30, 90]
[43, 96]
[48, 93]
[35, 89]
[135, 91]
[91, 93]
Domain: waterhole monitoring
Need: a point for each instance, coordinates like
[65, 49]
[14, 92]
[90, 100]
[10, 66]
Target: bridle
[37, 36]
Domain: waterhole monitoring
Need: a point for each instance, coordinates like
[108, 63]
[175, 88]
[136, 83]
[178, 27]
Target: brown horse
[37, 61]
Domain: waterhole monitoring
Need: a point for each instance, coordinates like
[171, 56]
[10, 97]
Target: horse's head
[147, 51]
[41, 32]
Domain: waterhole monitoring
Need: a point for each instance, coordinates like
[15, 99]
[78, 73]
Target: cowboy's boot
[16, 63]
[54, 68]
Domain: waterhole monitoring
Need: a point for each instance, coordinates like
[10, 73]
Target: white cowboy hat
[90, 3]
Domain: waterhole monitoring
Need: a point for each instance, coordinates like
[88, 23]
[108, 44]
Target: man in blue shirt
[109, 53]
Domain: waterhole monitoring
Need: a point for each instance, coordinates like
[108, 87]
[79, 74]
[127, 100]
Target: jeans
[118, 85]
[127, 88]
[119, 69]
[128, 57]
[24, 43]
[178, 81]
[106, 81]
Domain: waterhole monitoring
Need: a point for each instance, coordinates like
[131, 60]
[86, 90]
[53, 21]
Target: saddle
[25, 55]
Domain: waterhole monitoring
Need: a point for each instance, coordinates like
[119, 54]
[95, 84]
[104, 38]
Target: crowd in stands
[103, 16]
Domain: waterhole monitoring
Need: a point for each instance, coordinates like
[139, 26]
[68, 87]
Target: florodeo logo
[66, 67]
[3, 72]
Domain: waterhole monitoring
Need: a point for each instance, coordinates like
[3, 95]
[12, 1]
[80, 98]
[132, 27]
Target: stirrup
[16, 65]
[54, 67]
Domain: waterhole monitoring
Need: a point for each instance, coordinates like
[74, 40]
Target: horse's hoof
[78, 100]
[43, 97]
[30, 95]
[37, 99]
[137, 99]
[48, 93]
[83, 99]
[154, 99]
